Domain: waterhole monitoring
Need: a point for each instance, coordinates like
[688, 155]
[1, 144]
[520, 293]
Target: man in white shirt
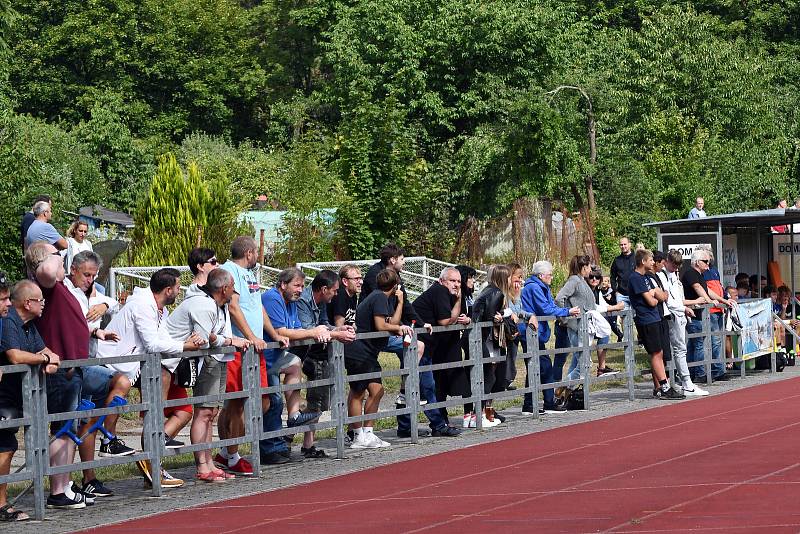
[100, 384]
[140, 326]
[678, 306]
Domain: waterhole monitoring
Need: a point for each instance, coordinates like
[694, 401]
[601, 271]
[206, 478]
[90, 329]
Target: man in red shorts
[248, 321]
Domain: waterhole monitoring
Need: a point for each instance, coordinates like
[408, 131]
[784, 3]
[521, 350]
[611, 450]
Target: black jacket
[621, 271]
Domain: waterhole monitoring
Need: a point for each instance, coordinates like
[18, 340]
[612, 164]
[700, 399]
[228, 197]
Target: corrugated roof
[104, 214]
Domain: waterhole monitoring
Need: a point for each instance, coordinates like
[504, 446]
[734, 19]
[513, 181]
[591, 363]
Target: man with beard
[138, 325]
[280, 304]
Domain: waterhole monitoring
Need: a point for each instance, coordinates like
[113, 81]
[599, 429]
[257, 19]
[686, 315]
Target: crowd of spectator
[225, 307]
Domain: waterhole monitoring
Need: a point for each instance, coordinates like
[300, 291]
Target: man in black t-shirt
[21, 344]
[374, 314]
[342, 309]
[439, 305]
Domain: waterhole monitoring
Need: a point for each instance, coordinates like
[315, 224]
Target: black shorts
[357, 367]
[652, 337]
[667, 354]
[8, 440]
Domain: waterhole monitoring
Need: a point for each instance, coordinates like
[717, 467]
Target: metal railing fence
[35, 418]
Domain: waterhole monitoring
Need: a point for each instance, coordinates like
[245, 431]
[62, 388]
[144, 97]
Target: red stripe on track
[722, 463]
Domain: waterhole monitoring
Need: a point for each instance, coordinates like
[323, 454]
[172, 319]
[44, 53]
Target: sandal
[223, 474]
[211, 476]
[313, 452]
[7, 513]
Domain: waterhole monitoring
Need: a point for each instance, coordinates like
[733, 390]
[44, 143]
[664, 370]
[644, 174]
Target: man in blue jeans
[538, 299]
[695, 286]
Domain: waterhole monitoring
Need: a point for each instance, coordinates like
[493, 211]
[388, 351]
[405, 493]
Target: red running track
[725, 463]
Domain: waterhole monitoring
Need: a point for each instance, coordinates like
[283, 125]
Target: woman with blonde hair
[76, 241]
[492, 305]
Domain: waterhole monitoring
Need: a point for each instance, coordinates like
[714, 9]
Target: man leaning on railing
[204, 311]
[21, 344]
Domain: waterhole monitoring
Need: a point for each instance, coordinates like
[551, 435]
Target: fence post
[154, 417]
[533, 368]
[411, 359]
[476, 375]
[336, 355]
[586, 356]
[34, 403]
[251, 382]
[425, 282]
[630, 362]
[740, 352]
[707, 343]
[112, 283]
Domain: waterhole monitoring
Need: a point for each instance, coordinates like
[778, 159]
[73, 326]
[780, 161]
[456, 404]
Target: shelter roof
[760, 218]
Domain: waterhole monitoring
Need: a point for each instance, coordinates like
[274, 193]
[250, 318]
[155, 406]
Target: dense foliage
[404, 116]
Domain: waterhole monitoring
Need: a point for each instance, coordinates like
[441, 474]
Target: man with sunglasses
[695, 288]
[21, 343]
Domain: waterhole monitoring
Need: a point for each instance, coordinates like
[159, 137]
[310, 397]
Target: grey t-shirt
[41, 231]
[576, 292]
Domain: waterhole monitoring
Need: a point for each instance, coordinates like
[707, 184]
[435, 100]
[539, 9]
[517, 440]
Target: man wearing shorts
[374, 314]
[204, 310]
[248, 321]
[645, 297]
[312, 313]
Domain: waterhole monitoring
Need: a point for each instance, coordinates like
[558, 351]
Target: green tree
[181, 210]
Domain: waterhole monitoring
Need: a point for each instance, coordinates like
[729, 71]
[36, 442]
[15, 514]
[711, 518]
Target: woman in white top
[76, 242]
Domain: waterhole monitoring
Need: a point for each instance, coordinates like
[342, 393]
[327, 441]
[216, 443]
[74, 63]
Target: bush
[38, 158]
[182, 211]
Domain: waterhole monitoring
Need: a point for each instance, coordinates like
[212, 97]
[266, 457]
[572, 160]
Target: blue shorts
[96, 384]
[602, 340]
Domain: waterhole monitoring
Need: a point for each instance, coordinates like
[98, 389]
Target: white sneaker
[470, 421]
[362, 441]
[490, 424]
[693, 390]
[373, 437]
[401, 400]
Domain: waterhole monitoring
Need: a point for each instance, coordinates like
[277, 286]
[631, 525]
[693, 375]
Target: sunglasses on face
[212, 261]
[705, 261]
[595, 277]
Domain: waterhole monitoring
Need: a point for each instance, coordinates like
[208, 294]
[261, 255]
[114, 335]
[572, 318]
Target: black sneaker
[97, 488]
[274, 458]
[670, 394]
[79, 493]
[447, 432]
[115, 447]
[421, 432]
[172, 443]
[500, 417]
[349, 437]
[541, 411]
[62, 502]
[302, 419]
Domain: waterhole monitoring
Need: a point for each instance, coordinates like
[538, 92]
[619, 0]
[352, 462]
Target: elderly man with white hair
[695, 288]
[538, 299]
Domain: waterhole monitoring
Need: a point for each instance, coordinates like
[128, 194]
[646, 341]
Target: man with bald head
[63, 328]
[21, 344]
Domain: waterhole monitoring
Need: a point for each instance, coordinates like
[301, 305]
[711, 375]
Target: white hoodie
[141, 330]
